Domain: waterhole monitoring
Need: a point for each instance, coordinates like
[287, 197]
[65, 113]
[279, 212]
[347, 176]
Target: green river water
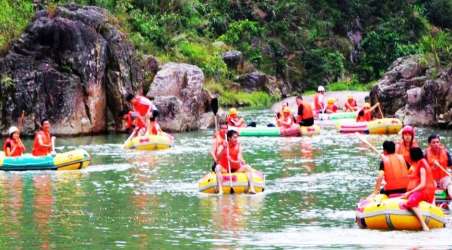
[149, 200]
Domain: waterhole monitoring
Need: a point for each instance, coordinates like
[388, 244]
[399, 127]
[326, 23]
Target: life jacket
[331, 107]
[14, 148]
[155, 128]
[142, 105]
[350, 105]
[307, 112]
[234, 154]
[442, 160]
[285, 119]
[318, 102]
[405, 151]
[234, 121]
[414, 175]
[364, 118]
[395, 172]
[39, 150]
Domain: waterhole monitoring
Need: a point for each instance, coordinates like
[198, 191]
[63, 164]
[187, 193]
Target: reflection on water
[149, 200]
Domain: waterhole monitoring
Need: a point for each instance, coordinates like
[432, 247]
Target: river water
[149, 200]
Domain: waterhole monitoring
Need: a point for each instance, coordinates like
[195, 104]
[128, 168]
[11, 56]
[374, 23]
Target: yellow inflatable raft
[150, 142]
[208, 184]
[379, 126]
[71, 160]
[381, 212]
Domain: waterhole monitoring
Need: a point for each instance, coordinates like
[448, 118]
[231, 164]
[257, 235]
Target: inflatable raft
[379, 126]
[239, 181]
[150, 142]
[442, 199]
[75, 159]
[337, 116]
[385, 213]
[277, 132]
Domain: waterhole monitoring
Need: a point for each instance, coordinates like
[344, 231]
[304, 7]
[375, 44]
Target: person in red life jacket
[407, 142]
[280, 114]
[42, 144]
[234, 120]
[393, 170]
[421, 185]
[135, 121]
[350, 105]
[365, 114]
[230, 156]
[305, 115]
[331, 106]
[144, 107]
[286, 120]
[218, 139]
[319, 100]
[13, 146]
[437, 156]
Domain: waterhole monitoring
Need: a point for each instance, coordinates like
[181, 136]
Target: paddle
[229, 164]
[129, 138]
[442, 168]
[53, 146]
[368, 143]
[214, 106]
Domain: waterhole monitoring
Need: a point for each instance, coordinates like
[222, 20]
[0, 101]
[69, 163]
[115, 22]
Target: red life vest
[234, 121]
[288, 122]
[364, 118]
[414, 175]
[307, 112]
[405, 151]
[442, 160]
[318, 105]
[15, 149]
[395, 172]
[234, 154]
[332, 107]
[39, 150]
[350, 105]
[142, 105]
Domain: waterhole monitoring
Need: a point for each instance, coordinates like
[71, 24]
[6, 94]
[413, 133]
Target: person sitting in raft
[135, 121]
[230, 158]
[421, 185]
[144, 107]
[365, 114]
[319, 100]
[286, 120]
[305, 115]
[393, 170]
[407, 142]
[42, 144]
[350, 105]
[218, 139]
[331, 106]
[440, 161]
[13, 145]
[234, 120]
[280, 113]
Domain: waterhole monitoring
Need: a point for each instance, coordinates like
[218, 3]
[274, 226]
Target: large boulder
[71, 65]
[408, 92]
[259, 81]
[179, 95]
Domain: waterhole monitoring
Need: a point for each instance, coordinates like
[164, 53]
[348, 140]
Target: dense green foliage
[304, 42]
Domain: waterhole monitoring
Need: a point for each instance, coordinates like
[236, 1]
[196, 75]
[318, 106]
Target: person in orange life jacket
[305, 115]
[218, 139]
[42, 144]
[144, 107]
[229, 155]
[13, 146]
[234, 120]
[286, 120]
[135, 121]
[319, 100]
[365, 114]
[393, 170]
[350, 105]
[280, 114]
[407, 142]
[331, 106]
[421, 185]
[436, 154]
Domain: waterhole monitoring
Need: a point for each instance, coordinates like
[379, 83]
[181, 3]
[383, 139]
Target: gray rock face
[179, 96]
[71, 66]
[259, 81]
[406, 92]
